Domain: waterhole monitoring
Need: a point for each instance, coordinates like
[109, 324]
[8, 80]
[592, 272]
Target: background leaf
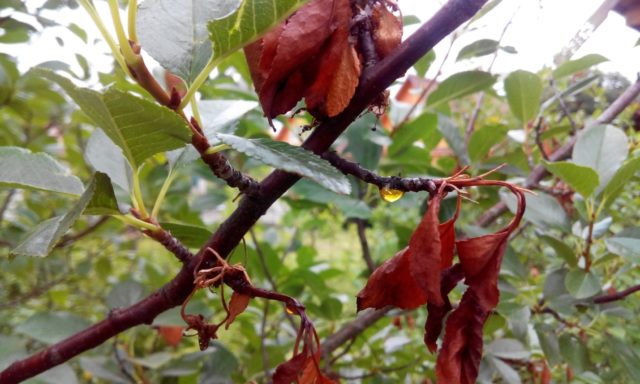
[603, 148]
[524, 92]
[459, 85]
[51, 327]
[291, 159]
[583, 180]
[104, 156]
[581, 284]
[572, 66]
[175, 32]
[478, 48]
[246, 24]
[23, 169]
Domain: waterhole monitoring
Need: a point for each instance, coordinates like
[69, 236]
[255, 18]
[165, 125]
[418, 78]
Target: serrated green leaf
[104, 156]
[219, 115]
[603, 148]
[459, 85]
[483, 139]
[524, 91]
[247, 23]
[581, 179]
[291, 159]
[581, 284]
[139, 127]
[179, 158]
[190, 235]
[619, 180]
[478, 48]
[175, 32]
[41, 239]
[349, 206]
[51, 327]
[572, 66]
[23, 169]
[103, 201]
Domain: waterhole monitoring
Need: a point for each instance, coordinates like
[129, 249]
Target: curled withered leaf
[289, 371]
[237, 305]
[392, 284]
[433, 326]
[387, 29]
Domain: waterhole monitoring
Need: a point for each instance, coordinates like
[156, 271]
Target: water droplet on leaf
[390, 195]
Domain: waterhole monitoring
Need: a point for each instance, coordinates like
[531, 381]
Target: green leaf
[6, 86]
[483, 139]
[574, 352]
[23, 169]
[459, 85]
[175, 32]
[41, 239]
[524, 91]
[619, 180]
[573, 89]
[626, 243]
[179, 158]
[154, 360]
[562, 250]
[478, 48]
[190, 235]
[542, 210]
[103, 201]
[58, 374]
[422, 66]
[423, 128]
[139, 127]
[506, 372]
[572, 66]
[51, 327]
[452, 135]
[291, 159]
[510, 349]
[219, 115]
[603, 148]
[249, 22]
[581, 284]
[331, 308]
[627, 356]
[351, 207]
[125, 293]
[104, 156]
[548, 342]
[583, 180]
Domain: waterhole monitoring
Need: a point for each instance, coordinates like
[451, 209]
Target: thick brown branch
[539, 172]
[230, 232]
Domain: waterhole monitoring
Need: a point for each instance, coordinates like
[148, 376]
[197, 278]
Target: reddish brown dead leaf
[344, 83]
[392, 284]
[170, 334]
[312, 374]
[387, 30]
[433, 326]
[289, 371]
[425, 252]
[237, 305]
[447, 232]
[461, 351]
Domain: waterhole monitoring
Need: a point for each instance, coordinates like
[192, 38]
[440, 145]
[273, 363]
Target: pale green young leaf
[41, 239]
[524, 91]
[175, 32]
[104, 156]
[581, 179]
[247, 23]
[459, 85]
[572, 66]
[23, 169]
[139, 127]
[291, 159]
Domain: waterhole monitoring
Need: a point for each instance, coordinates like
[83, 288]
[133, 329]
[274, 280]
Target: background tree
[89, 214]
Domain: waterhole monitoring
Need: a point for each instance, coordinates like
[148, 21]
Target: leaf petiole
[216, 149]
[129, 56]
[162, 194]
[132, 13]
[137, 195]
[198, 81]
[134, 222]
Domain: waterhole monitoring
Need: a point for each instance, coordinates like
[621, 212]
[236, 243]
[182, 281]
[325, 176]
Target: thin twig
[33, 293]
[616, 296]
[263, 338]
[70, 239]
[5, 203]
[364, 244]
[121, 363]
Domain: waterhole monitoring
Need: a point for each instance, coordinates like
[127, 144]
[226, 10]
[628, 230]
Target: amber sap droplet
[390, 195]
[290, 311]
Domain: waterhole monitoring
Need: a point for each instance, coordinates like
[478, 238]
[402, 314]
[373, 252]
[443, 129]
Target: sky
[539, 30]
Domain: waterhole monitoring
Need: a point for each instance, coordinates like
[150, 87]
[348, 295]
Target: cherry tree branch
[251, 207]
[616, 296]
[540, 172]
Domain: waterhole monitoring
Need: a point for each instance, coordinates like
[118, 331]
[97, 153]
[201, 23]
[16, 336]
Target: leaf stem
[198, 81]
[129, 56]
[134, 222]
[117, 55]
[216, 149]
[162, 194]
[195, 111]
[137, 195]
[132, 13]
